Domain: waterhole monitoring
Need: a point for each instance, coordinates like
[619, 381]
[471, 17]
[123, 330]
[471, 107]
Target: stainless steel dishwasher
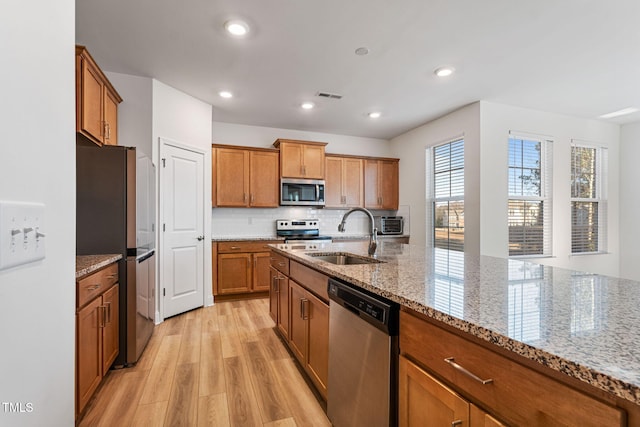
[363, 358]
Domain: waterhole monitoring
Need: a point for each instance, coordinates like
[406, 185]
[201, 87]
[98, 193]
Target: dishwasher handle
[351, 308]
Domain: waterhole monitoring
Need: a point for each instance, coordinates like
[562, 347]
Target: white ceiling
[575, 57]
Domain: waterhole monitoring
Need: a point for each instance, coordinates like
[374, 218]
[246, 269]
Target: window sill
[579, 254]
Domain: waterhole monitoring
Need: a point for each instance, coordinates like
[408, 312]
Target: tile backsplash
[255, 222]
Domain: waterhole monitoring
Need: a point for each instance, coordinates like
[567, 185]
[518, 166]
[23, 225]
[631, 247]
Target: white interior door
[182, 229]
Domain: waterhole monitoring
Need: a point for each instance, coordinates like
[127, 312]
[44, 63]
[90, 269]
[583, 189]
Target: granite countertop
[87, 264]
[244, 238]
[580, 324]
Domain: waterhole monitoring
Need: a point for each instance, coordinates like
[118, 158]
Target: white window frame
[602, 168]
[546, 190]
[431, 191]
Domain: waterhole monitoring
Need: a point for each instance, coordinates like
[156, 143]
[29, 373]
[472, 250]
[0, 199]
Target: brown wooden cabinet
[381, 181]
[279, 301]
[97, 334]
[242, 268]
[309, 334]
[301, 159]
[246, 177]
[344, 182]
[96, 101]
[502, 388]
[299, 304]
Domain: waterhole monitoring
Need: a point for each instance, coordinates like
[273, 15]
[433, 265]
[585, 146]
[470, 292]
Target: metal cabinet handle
[108, 131]
[253, 198]
[101, 316]
[281, 264]
[244, 197]
[451, 361]
[456, 423]
[112, 276]
[235, 247]
[304, 308]
[108, 313]
[273, 284]
[94, 287]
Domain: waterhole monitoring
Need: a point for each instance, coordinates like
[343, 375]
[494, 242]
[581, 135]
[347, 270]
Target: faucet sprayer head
[341, 227]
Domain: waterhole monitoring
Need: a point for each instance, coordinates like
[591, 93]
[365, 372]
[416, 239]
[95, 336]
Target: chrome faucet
[373, 236]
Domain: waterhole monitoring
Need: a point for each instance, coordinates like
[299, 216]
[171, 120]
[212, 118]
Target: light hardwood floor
[215, 366]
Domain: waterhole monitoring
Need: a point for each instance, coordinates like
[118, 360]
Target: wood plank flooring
[215, 366]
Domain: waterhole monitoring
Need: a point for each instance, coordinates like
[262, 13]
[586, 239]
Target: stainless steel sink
[342, 258]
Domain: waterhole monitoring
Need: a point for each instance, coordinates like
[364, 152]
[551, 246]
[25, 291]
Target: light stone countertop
[333, 236]
[584, 325]
[87, 264]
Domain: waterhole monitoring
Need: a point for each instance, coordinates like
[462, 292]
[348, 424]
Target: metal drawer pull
[281, 264]
[451, 361]
[93, 287]
[235, 247]
[456, 423]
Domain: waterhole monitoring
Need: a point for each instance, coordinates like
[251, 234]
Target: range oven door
[301, 192]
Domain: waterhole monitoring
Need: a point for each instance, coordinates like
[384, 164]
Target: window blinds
[447, 196]
[530, 202]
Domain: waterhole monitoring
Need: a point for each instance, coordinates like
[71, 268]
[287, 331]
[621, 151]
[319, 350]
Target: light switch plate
[22, 236]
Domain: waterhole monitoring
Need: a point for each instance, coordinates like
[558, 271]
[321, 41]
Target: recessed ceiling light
[362, 51]
[225, 94]
[622, 112]
[236, 28]
[308, 105]
[374, 114]
[443, 71]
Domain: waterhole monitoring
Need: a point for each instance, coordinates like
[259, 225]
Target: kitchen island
[576, 328]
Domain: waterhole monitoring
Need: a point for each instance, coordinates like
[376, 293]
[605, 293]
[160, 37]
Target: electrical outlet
[22, 237]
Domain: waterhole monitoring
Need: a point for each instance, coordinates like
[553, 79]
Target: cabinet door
[291, 160]
[479, 418]
[91, 102]
[313, 161]
[232, 176]
[425, 402]
[110, 118]
[388, 184]
[283, 305]
[318, 345]
[88, 351]
[352, 182]
[110, 335]
[298, 321]
[333, 183]
[371, 173]
[261, 265]
[273, 294]
[234, 273]
[264, 182]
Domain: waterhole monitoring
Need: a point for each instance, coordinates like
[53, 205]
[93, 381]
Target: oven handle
[317, 192]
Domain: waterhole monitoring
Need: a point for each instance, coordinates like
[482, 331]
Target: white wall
[185, 120]
[629, 201]
[496, 122]
[37, 164]
[411, 149]
[261, 222]
[135, 112]
[260, 136]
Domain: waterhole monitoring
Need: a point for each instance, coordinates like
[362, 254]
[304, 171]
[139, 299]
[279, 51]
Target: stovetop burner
[299, 230]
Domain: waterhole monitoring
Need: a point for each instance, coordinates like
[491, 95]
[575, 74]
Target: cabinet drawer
[248, 246]
[95, 284]
[517, 394]
[314, 281]
[280, 262]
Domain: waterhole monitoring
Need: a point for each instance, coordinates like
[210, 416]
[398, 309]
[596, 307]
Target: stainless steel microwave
[301, 192]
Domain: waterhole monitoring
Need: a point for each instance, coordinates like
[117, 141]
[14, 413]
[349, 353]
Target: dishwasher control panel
[375, 309]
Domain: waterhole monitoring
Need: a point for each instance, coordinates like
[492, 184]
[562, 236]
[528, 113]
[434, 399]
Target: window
[446, 194]
[588, 204]
[529, 217]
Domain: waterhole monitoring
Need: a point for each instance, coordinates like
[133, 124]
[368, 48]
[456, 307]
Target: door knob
[200, 238]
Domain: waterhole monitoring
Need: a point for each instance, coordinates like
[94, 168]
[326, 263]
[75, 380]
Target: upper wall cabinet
[381, 184]
[96, 101]
[344, 182]
[245, 177]
[301, 159]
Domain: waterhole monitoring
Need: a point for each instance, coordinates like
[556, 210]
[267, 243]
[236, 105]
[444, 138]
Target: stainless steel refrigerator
[115, 213]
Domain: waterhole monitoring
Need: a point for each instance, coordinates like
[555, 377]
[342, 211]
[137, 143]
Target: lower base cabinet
[97, 331]
[442, 370]
[425, 401]
[298, 303]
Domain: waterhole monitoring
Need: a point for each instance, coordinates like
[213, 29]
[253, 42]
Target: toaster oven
[389, 224]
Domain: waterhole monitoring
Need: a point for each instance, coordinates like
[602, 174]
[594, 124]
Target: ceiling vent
[329, 95]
